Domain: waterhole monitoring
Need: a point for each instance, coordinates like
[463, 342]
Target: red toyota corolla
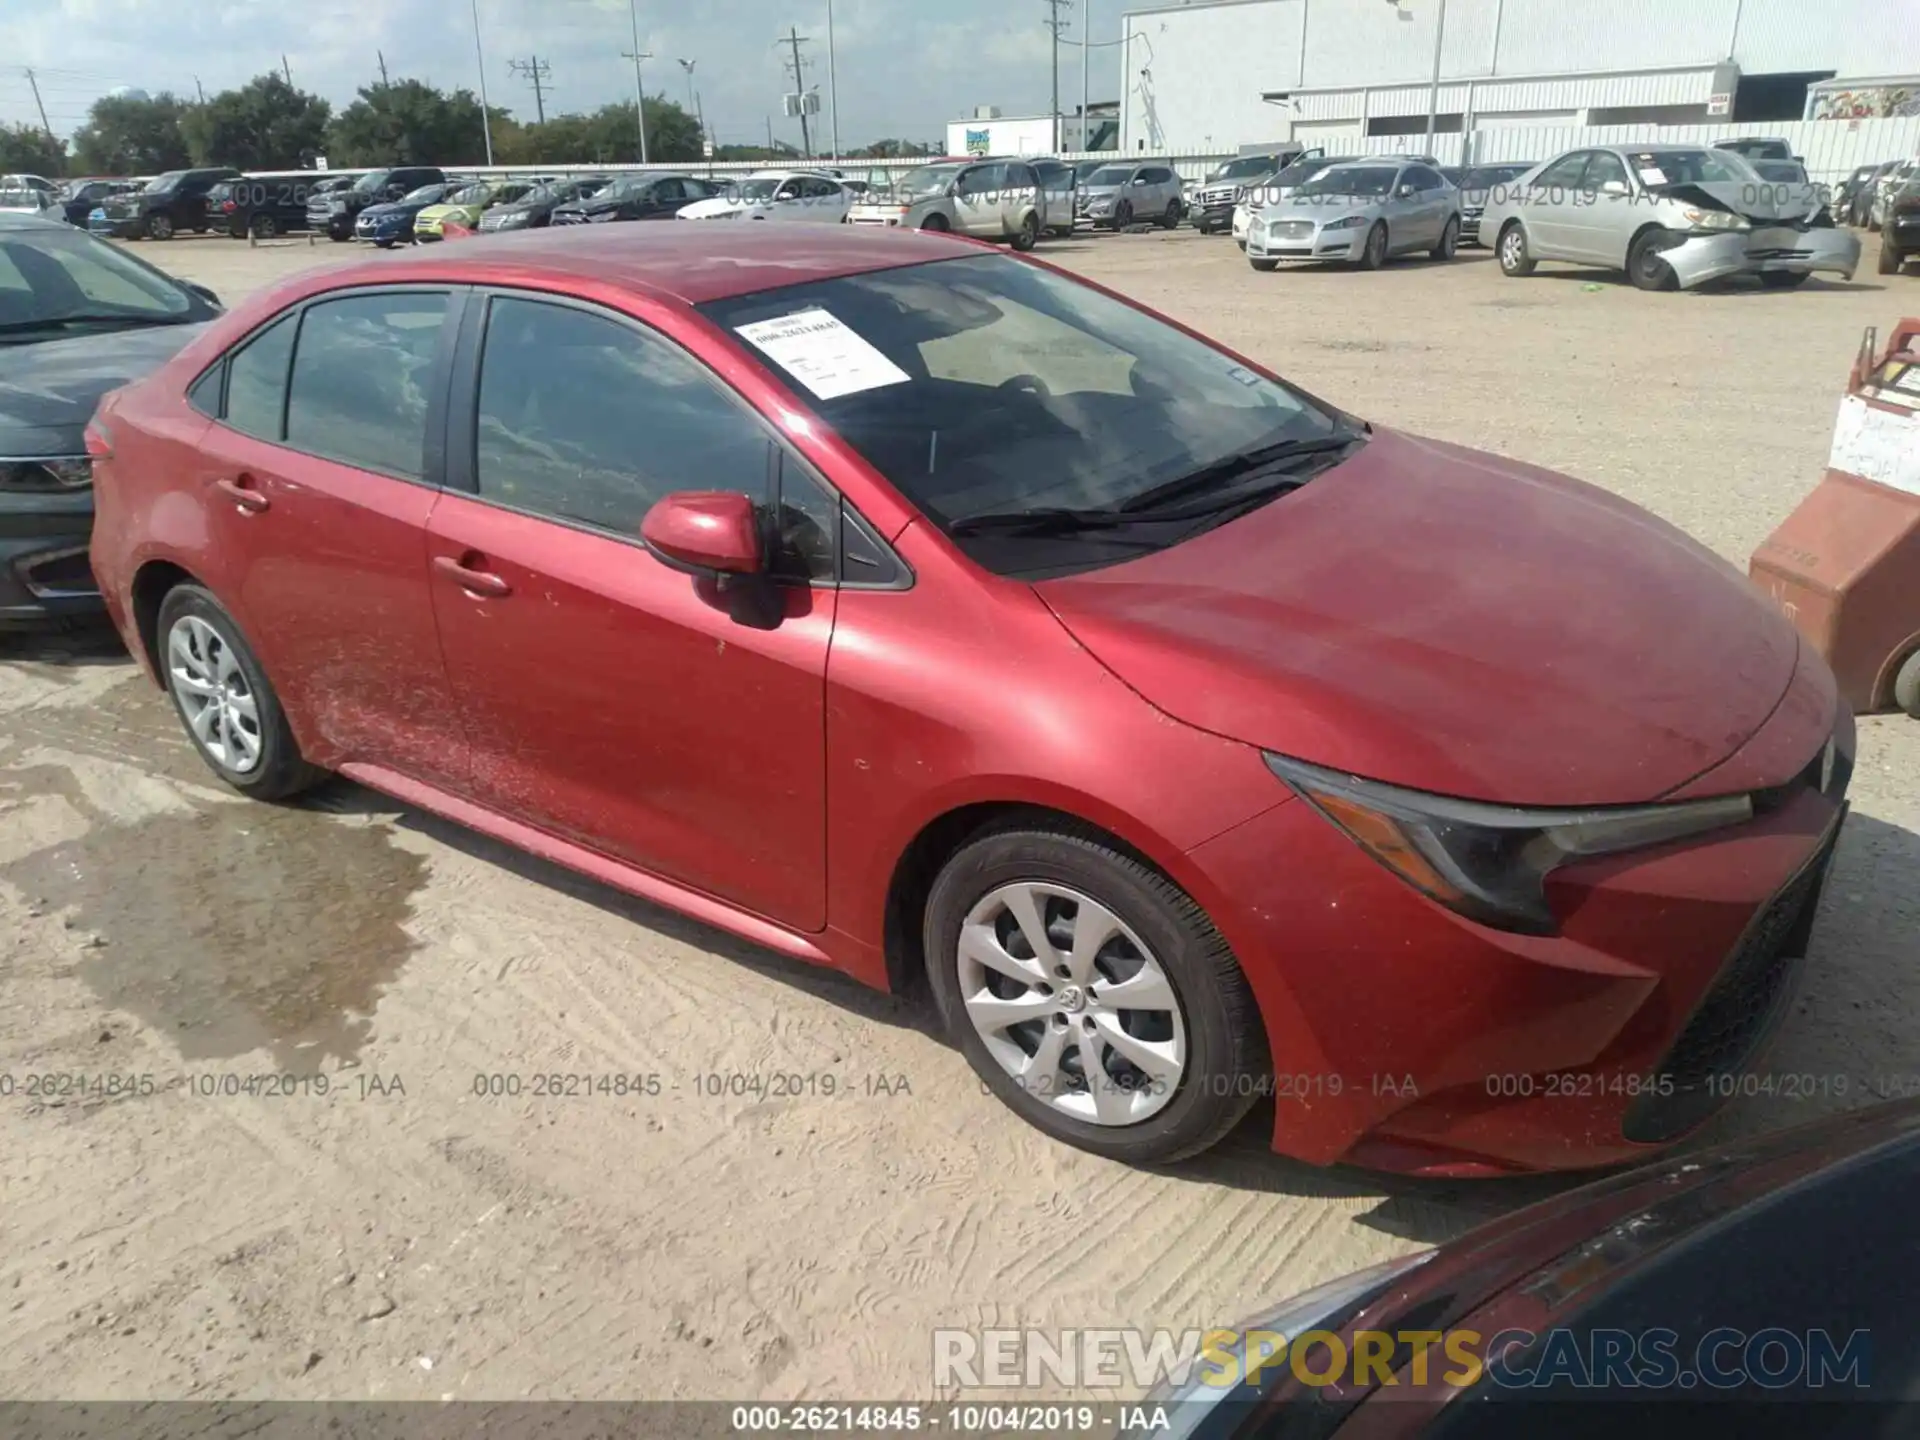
[916, 609]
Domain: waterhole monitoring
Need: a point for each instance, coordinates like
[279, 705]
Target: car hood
[48, 390]
[1101, 192]
[389, 210]
[718, 205]
[1758, 201]
[1451, 621]
[1322, 205]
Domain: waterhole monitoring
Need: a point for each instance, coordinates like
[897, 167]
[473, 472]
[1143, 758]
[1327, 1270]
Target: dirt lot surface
[402, 1236]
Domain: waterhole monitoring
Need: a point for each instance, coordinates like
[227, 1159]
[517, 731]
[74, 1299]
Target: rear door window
[359, 392]
[257, 381]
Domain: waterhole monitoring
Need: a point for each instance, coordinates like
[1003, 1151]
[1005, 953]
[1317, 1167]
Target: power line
[536, 71]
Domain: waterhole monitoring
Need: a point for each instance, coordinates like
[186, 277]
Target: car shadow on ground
[344, 797]
[81, 645]
[1600, 278]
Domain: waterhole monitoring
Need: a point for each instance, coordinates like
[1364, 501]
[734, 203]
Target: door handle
[244, 492]
[471, 579]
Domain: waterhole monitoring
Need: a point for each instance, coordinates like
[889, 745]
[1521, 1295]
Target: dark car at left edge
[88, 319]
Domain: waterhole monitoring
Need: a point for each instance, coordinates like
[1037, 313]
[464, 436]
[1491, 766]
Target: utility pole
[199, 89]
[286, 69]
[536, 70]
[833, 88]
[38, 103]
[486, 120]
[383, 68]
[1433, 92]
[795, 39]
[1056, 25]
[770, 150]
[639, 91]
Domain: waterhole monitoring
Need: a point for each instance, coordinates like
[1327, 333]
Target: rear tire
[1028, 235]
[1122, 216]
[264, 227]
[1645, 268]
[1201, 1033]
[159, 227]
[208, 666]
[1449, 240]
[1515, 258]
[1890, 259]
[935, 223]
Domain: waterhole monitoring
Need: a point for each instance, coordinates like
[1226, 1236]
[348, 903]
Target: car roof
[685, 263]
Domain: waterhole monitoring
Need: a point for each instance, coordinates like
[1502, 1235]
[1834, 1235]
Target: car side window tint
[359, 388]
[1422, 178]
[807, 524]
[257, 381]
[204, 393]
[1564, 172]
[585, 419]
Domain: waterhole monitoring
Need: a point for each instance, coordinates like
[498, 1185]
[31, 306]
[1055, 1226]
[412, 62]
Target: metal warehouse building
[1210, 77]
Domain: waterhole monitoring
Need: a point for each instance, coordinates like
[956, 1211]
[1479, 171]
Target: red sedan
[923, 611]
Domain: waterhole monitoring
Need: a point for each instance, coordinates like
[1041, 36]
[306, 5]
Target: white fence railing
[1832, 149]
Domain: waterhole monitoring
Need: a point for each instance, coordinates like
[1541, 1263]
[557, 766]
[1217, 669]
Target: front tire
[935, 223]
[1645, 268]
[1122, 216]
[1515, 258]
[264, 227]
[1028, 235]
[1906, 686]
[159, 227]
[1890, 259]
[230, 711]
[1373, 254]
[1054, 956]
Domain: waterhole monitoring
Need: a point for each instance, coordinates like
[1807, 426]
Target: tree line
[270, 124]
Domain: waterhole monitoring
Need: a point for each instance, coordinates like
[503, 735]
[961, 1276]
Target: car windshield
[370, 183]
[927, 180]
[53, 278]
[1359, 180]
[1485, 177]
[425, 195]
[1780, 171]
[164, 182]
[1243, 168]
[1111, 175]
[470, 195]
[1692, 167]
[761, 189]
[986, 386]
[1302, 171]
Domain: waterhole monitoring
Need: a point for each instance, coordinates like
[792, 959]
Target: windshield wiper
[1045, 520]
[1223, 472]
[55, 322]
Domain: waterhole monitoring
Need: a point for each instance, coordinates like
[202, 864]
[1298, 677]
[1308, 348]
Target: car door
[320, 480]
[977, 201]
[1547, 207]
[1415, 213]
[1603, 215]
[608, 699]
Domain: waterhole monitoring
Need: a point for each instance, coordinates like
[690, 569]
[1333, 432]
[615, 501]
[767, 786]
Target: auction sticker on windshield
[823, 354]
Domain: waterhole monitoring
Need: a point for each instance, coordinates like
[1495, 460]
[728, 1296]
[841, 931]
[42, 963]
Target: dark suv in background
[334, 213]
[267, 204]
[170, 203]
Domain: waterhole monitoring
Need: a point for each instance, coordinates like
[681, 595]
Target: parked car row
[1668, 217]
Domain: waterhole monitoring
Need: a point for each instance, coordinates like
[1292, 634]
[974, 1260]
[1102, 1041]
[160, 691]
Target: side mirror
[1615, 187]
[202, 291]
[1405, 192]
[1139, 179]
[709, 533]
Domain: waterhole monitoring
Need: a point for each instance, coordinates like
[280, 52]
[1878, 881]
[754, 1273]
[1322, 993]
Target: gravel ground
[403, 1236]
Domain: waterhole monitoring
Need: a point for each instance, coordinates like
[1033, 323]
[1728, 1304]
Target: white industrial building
[1214, 77]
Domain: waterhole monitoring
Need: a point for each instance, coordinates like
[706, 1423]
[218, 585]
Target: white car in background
[777, 195]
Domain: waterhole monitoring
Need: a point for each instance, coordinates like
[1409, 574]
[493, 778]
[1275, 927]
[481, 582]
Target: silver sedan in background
[1670, 218]
[1360, 213]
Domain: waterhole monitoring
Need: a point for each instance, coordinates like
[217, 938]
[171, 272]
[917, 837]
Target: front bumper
[1470, 227]
[1303, 240]
[1903, 231]
[1821, 249]
[117, 227]
[44, 574]
[387, 227]
[1408, 1038]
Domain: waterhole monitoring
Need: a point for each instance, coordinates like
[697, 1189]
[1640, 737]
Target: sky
[904, 68]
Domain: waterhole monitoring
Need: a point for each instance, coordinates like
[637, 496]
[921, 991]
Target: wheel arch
[151, 584]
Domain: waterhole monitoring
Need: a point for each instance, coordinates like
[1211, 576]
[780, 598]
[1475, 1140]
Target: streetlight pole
[1433, 91]
[1086, 49]
[639, 93]
[833, 90]
[486, 121]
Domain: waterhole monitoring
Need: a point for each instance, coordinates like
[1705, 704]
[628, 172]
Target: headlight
[1490, 862]
[1716, 220]
[1345, 222]
[75, 473]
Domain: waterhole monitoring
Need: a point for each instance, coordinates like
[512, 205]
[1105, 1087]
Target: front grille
[1736, 1013]
[1291, 229]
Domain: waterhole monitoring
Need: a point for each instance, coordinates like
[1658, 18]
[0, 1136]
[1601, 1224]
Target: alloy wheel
[1071, 1003]
[1512, 249]
[221, 709]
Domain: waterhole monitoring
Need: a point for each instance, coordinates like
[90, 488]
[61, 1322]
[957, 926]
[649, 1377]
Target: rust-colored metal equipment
[1845, 565]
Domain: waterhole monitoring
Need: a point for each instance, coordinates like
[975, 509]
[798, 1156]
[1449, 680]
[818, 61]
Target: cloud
[902, 68]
